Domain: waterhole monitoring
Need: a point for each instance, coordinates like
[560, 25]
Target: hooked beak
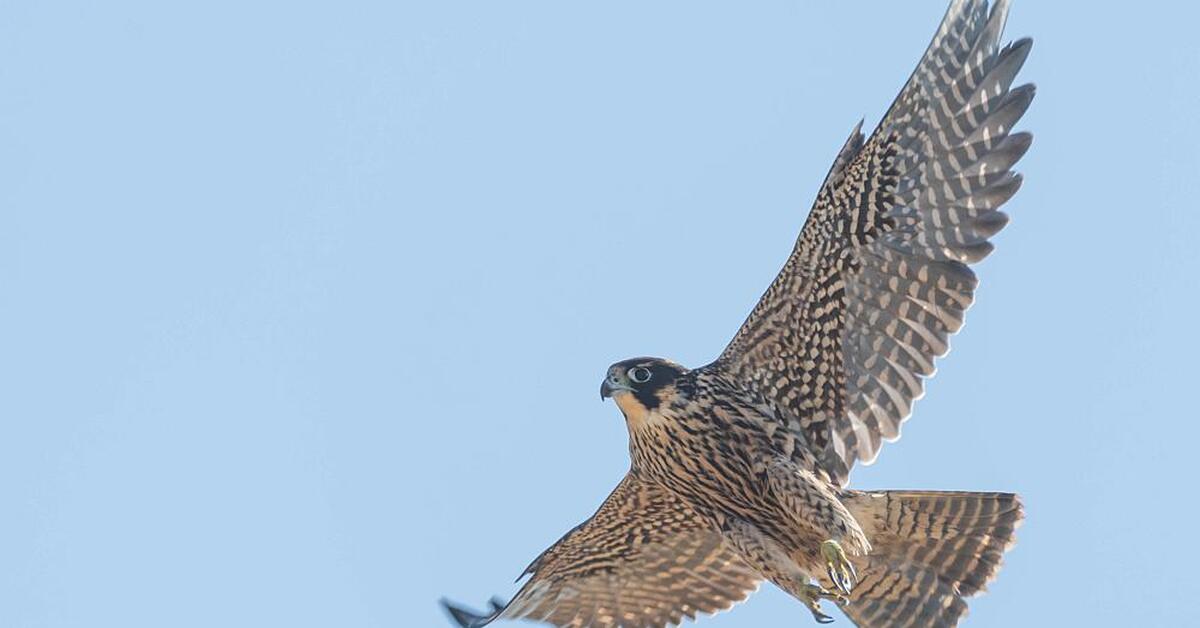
[610, 387]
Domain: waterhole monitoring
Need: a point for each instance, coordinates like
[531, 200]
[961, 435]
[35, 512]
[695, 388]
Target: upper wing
[643, 559]
[878, 279]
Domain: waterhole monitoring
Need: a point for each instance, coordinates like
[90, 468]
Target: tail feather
[930, 550]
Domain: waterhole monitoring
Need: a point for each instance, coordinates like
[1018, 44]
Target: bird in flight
[739, 469]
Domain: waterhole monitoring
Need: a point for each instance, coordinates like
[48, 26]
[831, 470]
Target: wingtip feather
[465, 617]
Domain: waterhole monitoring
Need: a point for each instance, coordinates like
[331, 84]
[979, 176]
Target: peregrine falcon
[739, 468]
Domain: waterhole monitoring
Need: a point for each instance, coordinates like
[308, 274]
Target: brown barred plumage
[934, 549]
[644, 559]
[878, 281]
[739, 468]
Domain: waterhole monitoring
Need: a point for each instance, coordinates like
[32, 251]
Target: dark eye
[639, 374]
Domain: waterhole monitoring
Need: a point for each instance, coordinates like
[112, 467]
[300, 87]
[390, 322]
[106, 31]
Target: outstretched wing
[644, 559]
[879, 278]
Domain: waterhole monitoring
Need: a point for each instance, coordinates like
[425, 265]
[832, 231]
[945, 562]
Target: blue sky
[305, 306]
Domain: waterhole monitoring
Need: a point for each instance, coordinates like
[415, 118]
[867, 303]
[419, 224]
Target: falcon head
[640, 385]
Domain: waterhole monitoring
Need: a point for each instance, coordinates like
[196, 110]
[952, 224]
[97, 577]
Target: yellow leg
[839, 568]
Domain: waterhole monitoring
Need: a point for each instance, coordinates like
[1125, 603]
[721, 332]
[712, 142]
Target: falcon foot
[812, 595]
[840, 571]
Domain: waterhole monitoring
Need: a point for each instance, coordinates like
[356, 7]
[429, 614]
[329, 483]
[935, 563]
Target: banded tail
[931, 550]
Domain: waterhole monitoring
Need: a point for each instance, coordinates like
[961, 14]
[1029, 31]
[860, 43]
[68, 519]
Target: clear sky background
[304, 307]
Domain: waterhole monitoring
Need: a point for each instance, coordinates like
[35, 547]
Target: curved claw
[839, 568]
[833, 576]
[813, 594]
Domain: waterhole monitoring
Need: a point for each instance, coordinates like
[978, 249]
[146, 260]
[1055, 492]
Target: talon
[833, 575]
[841, 571]
[813, 594]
